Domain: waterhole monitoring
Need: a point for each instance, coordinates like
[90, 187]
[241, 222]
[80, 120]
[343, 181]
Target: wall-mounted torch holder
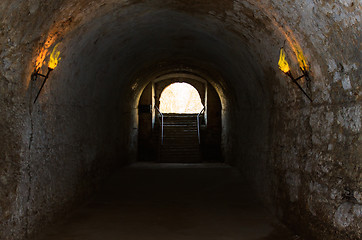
[295, 80]
[34, 77]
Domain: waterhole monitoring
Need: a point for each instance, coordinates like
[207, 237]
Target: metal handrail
[198, 124]
[160, 114]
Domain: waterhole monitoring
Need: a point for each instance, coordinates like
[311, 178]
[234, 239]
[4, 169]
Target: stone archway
[210, 121]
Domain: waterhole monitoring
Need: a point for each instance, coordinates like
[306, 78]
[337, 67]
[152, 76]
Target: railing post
[198, 124]
[161, 129]
[160, 114]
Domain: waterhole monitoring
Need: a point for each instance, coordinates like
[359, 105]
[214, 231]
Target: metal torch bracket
[34, 77]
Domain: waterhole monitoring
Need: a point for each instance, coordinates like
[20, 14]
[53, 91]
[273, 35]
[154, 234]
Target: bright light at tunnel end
[180, 98]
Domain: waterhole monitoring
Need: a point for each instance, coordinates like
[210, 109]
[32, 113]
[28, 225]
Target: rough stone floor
[172, 202]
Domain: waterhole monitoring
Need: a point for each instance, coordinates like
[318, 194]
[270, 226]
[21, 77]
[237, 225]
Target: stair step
[178, 142]
[193, 140]
[191, 130]
[170, 115]
[179, 146]
[180, 149]
[180, 161]
[174, 156]
[181, 155]
[179, 136]
[179, 126]
[190, 150]
[181, 142]
[183, 121]
[172, 150]
[182, 130]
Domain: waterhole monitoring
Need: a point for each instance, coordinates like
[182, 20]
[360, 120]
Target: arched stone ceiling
[111, 48]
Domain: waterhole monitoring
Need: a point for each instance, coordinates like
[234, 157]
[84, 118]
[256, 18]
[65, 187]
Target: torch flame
[301, 60]
[44, 51]
[54, 58]
[283, 64]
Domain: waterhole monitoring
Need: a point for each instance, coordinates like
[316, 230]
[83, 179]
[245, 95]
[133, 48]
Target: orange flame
[54, 58]
[301, 60]
[285, 30]
[283, 64]
[298, 53]
[44, 52]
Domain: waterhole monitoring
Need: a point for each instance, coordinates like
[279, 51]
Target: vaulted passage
[296, 142]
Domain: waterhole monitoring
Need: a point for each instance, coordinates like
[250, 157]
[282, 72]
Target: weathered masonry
[303, 158]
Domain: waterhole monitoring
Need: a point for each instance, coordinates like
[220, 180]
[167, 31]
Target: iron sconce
[53, 62]
[284, 67]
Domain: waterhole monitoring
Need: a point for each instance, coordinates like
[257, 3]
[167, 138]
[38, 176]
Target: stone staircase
[180, 142]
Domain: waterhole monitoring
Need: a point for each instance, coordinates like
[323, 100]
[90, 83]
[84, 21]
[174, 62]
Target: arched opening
[180, 98]
[179, 120]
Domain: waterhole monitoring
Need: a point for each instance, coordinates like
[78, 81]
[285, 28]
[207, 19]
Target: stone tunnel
[302, 157]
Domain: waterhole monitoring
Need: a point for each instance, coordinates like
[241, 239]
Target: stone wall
[303, 158]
